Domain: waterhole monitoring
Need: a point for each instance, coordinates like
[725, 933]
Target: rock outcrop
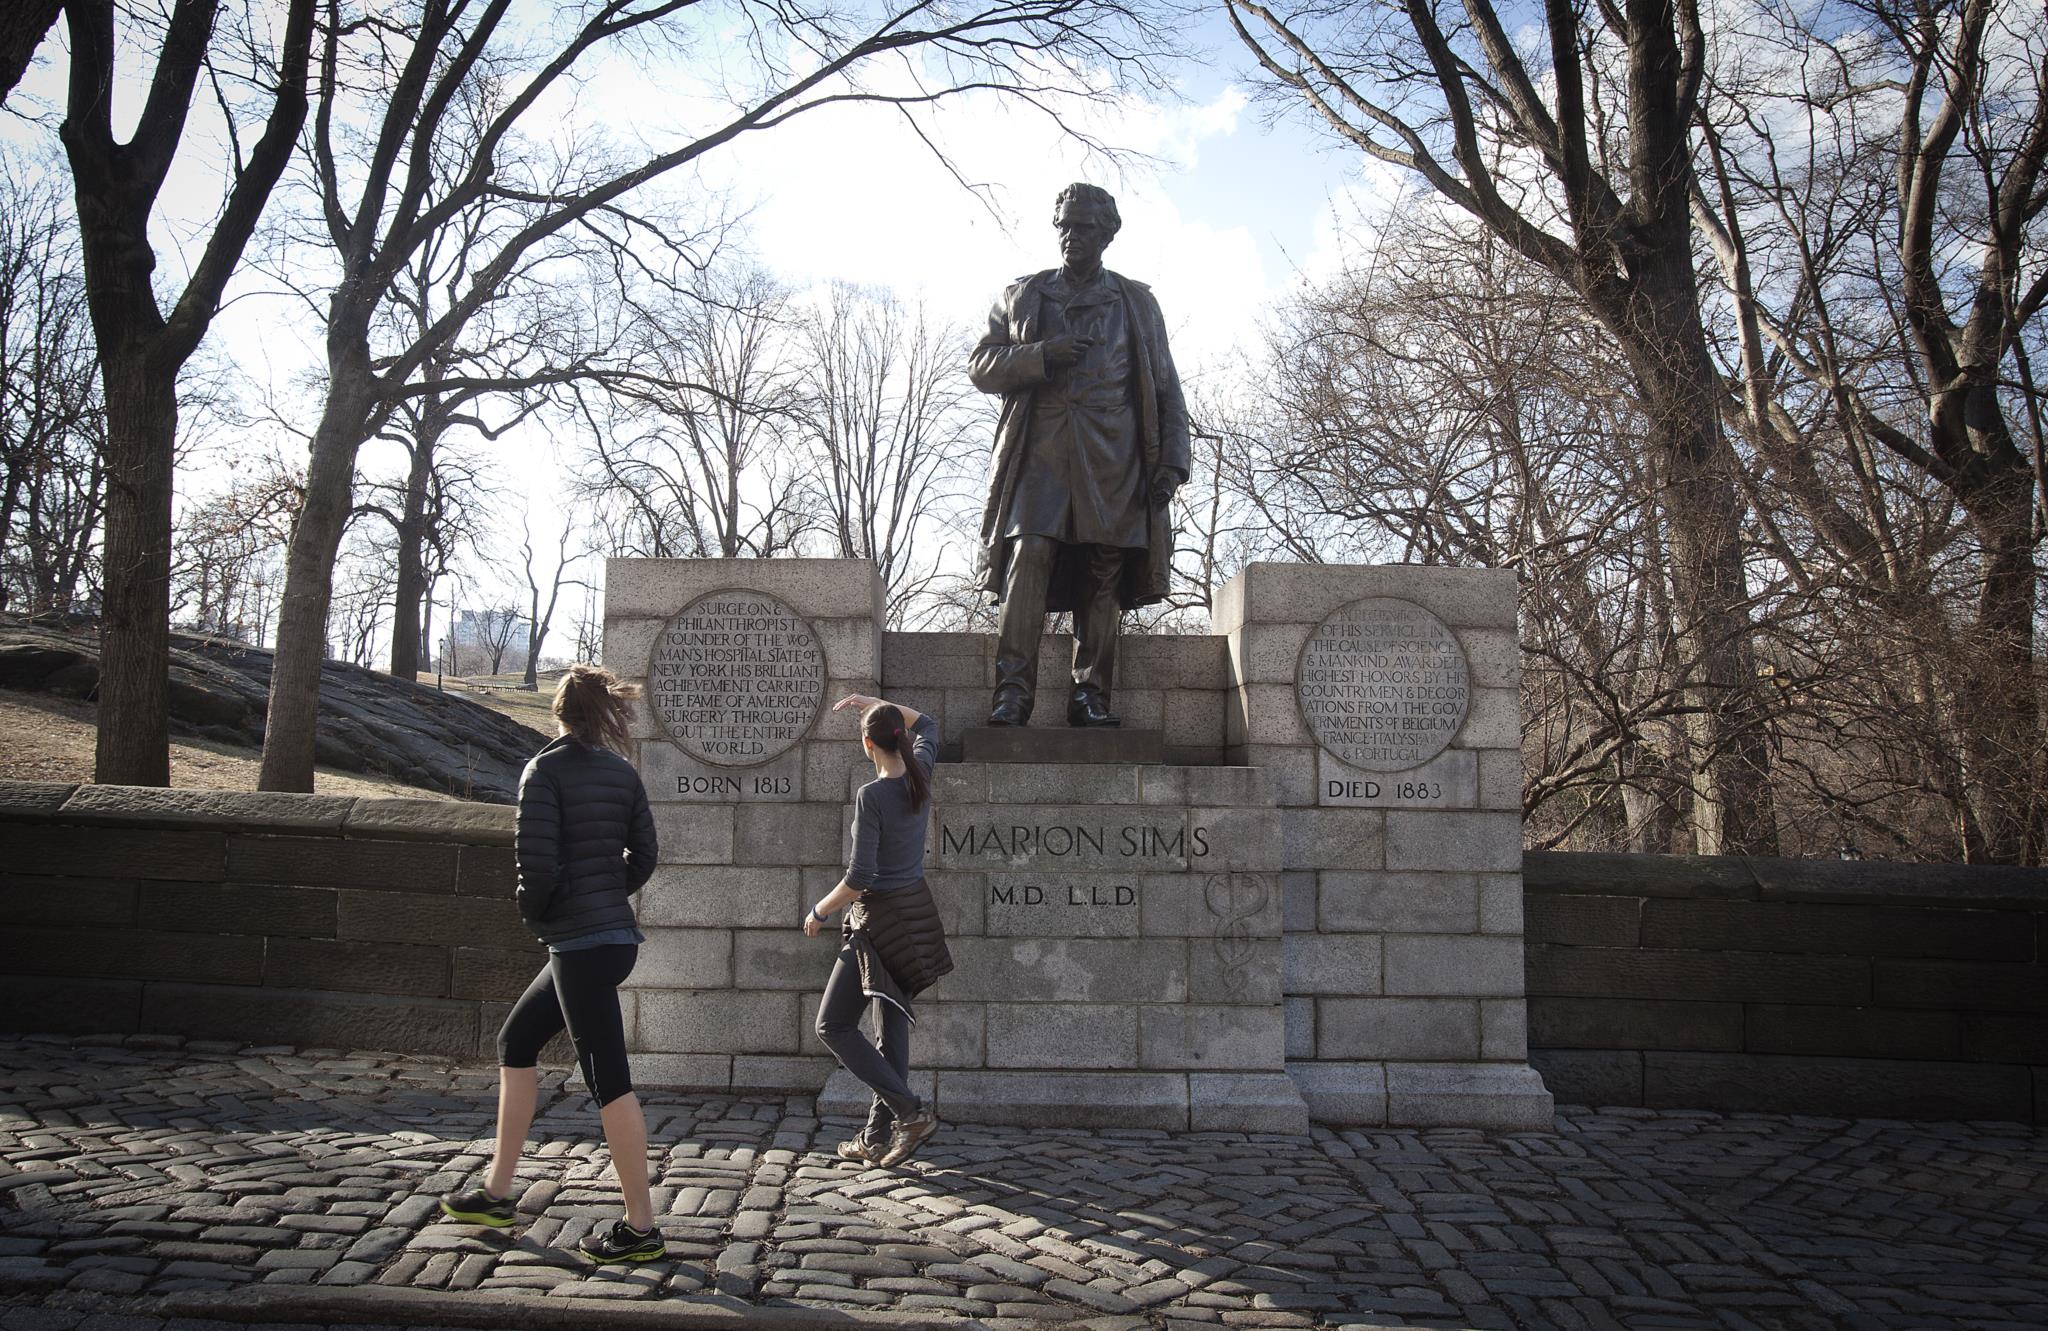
[369, 722]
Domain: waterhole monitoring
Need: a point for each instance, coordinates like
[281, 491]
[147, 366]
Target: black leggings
[884, 1070]
[579, 990]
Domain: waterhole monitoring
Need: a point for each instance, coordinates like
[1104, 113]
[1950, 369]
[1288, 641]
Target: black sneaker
[623, 1243]
[477, 1207]
[909, 1134]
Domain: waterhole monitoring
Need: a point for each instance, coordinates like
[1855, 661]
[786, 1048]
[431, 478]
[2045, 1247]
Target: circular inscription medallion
[736, 679]
[1382, 684]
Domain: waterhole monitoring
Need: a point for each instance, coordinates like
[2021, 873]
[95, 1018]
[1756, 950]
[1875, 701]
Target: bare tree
[229, 555]
[436, 510]
[541, 615]
[1443, 402]
[589, 627]
[1596, 191]
[894, 421]
[1873, 191]
[404, 182]
[52, 425]
[496, 628]
[697, 457]
[551, 320]
[23, 25]
[141, 347]
[364, 584]
[1220, 529]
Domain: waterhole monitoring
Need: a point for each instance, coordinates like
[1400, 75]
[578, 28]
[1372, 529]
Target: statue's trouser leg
[1020, 621]
[1098, 622]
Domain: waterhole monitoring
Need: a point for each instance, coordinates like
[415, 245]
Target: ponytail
[884, 728]
[594, 705]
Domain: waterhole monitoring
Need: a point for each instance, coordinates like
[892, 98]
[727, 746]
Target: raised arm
[911, 716]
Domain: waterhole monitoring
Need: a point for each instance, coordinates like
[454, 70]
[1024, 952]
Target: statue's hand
[1163, 486]
[1064, 351]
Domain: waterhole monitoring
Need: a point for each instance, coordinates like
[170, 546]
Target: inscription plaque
[736, 679]
[1382, 684]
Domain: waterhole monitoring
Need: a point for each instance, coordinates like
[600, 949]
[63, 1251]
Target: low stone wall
[1913, 991]
[1789, 986]
[276, 919]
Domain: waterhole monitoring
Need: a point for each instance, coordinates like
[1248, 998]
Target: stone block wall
[1403, 953]
[724, 993]
[273, 919]
[1790, 986]
[1176, 684]
[1672, 982]
[1116, 935]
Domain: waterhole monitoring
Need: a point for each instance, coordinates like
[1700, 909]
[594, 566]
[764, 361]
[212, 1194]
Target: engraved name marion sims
[736, 678]
[1382, 684]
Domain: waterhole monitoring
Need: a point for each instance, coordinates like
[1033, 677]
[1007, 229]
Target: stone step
[1061, 744]
[1054, 1098]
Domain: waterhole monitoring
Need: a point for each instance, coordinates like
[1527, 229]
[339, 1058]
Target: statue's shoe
[1009, 712]
[1092, 710]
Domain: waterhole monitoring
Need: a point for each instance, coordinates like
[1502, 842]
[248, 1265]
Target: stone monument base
[1062, 744]
[1163, 1101]
[1502, 1096]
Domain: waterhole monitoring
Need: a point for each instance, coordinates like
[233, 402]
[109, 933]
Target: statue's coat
[1008, 360]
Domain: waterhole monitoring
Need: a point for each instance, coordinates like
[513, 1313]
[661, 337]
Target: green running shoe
[477, 1207]
[623, 1243]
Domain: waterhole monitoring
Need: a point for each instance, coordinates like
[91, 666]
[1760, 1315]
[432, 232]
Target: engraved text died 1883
[736, 678]
[1382, 684]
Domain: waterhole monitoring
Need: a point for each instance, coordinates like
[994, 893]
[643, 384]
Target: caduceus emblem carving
[1235, 899]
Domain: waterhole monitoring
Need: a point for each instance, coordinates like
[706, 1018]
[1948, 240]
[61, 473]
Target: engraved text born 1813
[737, 678]
[1382, 684]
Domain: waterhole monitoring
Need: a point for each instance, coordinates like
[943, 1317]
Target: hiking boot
[623, 1243]
[477, 1207]
[909, 1134]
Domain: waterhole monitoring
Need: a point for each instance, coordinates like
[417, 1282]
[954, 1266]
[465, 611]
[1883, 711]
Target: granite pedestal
[1311, 908]
[1074, 744]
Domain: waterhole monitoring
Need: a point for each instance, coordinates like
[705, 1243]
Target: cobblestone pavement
[149, 1167]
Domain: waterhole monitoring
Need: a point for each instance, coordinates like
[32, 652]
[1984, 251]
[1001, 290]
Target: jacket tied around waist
[899, 943]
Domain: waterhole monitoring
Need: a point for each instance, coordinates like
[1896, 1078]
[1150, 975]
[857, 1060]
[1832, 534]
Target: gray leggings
[884, 1070]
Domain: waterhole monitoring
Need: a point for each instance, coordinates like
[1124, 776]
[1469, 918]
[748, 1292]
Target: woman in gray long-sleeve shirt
[894, 945]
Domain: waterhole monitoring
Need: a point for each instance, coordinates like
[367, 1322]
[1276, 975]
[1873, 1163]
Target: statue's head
[1087, 220]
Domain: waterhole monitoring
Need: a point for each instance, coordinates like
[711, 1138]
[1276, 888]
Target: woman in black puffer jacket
[585, 843]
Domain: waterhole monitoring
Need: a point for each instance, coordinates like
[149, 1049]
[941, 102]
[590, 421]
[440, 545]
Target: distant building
[484, 642]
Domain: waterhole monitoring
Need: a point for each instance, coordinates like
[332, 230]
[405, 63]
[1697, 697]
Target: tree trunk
[429, 658]
[133, 747]
[1999, 706]
[408, 649]
[1732, 809]
[292, 725]
[9, 499]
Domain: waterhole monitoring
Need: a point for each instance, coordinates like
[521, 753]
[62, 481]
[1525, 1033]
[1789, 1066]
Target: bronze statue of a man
[1093, 441]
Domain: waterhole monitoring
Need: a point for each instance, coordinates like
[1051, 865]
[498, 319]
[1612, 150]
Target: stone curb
[431, 820]
[33, 799]
[213, 810]
[380, 1306]
[1740, 877]
[182, 808]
